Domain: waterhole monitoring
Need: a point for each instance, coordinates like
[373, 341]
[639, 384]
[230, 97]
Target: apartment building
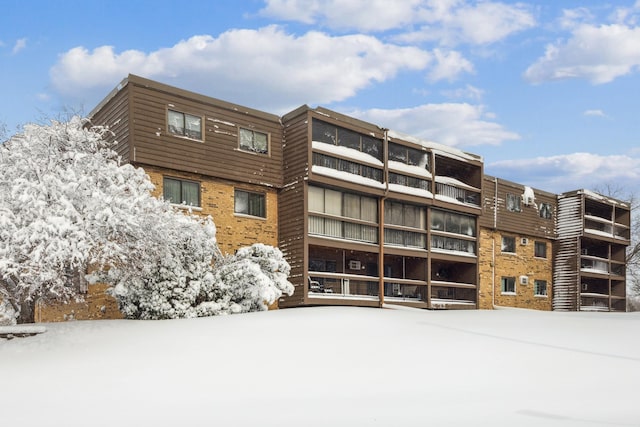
[590, 261]
[366, 215]
[517, 236]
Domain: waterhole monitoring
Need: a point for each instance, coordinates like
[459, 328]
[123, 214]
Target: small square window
[181, 192]
[251, 140]
[184, 124]
[540, 288]
[508, 285]
[540, 250]
[508, 244]
[248, 203]
[545, 211]
[514, 203]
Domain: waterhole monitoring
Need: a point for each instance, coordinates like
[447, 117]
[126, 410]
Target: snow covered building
[517, 236]
[373, 216]
[363, 214]
[590, 260]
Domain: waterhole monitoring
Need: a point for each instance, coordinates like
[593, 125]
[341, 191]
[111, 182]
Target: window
[540, 250]
[251, 140]
[408, 155]
[409, 181]
[181, 192]
[540, 288]
[335, 135]
[513, 203]
[453, 223]
[184, 124]
[545, 211]
[508, 285]
[248, 203]
[347, 166]
[508, 244]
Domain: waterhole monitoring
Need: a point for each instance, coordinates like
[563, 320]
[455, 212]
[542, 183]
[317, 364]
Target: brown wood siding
[526, 222]
[292, 204]
[218, 154]
[115, 115]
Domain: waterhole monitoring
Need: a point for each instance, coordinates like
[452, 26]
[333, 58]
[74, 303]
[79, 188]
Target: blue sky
[546, 91]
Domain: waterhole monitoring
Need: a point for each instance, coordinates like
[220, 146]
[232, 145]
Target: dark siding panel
[115, 115]
[292, 205]
[526, 222]
[218, 154]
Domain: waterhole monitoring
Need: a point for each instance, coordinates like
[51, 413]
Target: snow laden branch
[67, 207]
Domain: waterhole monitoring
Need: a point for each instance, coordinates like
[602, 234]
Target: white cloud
[263, 68]
[454, 124]
[363, 15]
[596, 113]
[469, 92]
[570, 171]
[449, 65]
[598, 53]
[446, 21]
[19, 45]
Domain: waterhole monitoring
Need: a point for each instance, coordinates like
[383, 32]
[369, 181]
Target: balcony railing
[462, 195]
[330, 227]
[331, 287]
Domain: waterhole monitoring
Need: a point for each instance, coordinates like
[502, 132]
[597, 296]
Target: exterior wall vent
[524, 241]
[354, 264]
[524, 280]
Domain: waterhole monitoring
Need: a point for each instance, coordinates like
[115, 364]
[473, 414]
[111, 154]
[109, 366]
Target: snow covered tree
[68, 206]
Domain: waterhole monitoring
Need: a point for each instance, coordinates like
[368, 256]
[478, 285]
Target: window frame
[242, 129]
[536, 284]
[513, 202]
[502, 245]
[504, 282]
[538, 244]
[185, 133]
[181, 181]
[545, 211]
[250, 194]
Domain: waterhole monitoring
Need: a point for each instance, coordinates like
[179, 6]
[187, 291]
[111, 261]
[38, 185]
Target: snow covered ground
[329, 366]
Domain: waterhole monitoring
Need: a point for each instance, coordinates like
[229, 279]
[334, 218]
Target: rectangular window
[540, 250]
[540, 288]
[513, 203]
[508, 285]
[181, 192]
[248, 203]
[335, 135]
[545, 211]
[184, 124]
[508, 244]
[453, 223]
[408, 155]
[251, 140]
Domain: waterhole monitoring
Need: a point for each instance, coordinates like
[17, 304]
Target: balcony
[594, 265]
[452, 190]
[330, 227]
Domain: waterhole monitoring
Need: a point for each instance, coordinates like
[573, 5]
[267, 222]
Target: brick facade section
[493, 265]
[97, 304]
[217, 199]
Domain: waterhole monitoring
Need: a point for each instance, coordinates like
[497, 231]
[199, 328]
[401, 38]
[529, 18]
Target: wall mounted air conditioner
[524, 241]
[524, 280]
[354, 264]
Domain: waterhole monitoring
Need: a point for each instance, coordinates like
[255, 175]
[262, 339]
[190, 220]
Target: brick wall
[96, 305]
[217, 199]
[494, 265]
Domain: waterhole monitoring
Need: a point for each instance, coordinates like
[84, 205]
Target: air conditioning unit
[524, 280]
[354, 264]
[524, 241]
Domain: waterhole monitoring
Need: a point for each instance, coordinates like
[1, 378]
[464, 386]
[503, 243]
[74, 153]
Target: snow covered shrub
[252, 279]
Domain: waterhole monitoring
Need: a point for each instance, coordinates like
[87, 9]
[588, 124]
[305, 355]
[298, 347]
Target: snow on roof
[396, 166]
[410, 190]
[350, 153]
[452, 181]
[346, 176]
[435, 147]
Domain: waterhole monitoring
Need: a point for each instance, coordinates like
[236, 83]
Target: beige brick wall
[96, 305]
[217, 199]
[494, 265]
